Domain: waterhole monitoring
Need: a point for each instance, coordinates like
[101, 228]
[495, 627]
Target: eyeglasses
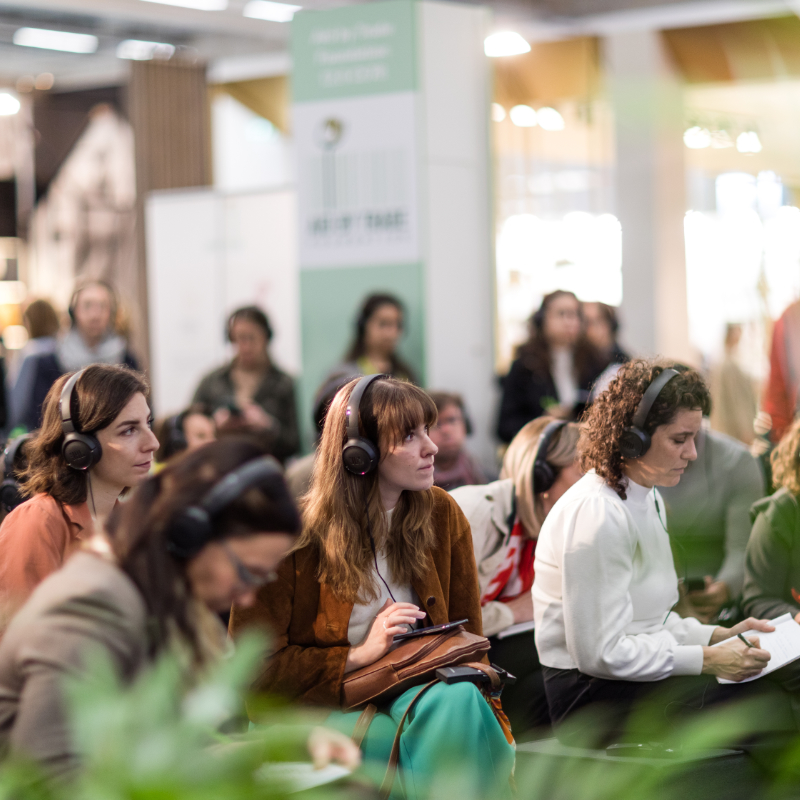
[249, 579]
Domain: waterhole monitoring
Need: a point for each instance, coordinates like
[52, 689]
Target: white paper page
[301, 776]
[783, 645]
[520, 627]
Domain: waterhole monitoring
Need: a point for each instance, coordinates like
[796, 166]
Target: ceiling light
[498, 112]
[137, 50]
[523, 116]
[55, 40]
[697, 138]
[274, 12]
[550, 119]
[748, 142]
[200, 5]
[506, 43]
[9, 104]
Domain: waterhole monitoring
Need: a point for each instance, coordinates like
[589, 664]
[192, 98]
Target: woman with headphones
[382, 551]
[251, 391]
[379, 326]
[553, 371]
[605, 582]
[205, 532]
[94, 443]
[505, 518]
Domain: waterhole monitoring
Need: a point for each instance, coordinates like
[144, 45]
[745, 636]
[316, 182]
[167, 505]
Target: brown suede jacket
[308, 623]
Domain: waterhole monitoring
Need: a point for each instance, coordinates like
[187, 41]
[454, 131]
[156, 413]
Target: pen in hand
[745, 640]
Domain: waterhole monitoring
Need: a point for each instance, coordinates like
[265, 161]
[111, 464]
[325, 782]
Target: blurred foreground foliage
[154, 740]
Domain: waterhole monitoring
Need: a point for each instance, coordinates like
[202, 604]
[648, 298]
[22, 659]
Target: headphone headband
[352, 413]
[544, 475]
[650, 396]
[65, 403]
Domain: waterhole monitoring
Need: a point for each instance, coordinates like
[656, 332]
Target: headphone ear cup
[81, 452]
[543, 477]
[467, 423]
[189, 532]
[10, 496]
[360, 456]
[634, 443]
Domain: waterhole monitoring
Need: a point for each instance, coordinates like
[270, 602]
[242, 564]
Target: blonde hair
[336, 506]
[520, 458]
[785, 460]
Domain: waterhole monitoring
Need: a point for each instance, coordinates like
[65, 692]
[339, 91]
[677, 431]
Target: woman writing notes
[605, 580]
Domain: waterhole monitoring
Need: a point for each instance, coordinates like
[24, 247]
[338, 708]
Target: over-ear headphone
[252, 314]
[10, 495]
[81, 451]
[193, 527]
[175, 438]
[94, 282]
[544, 476]
[635, 441]
[360, 456]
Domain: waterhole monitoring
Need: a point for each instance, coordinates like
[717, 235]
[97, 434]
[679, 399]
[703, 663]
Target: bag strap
[394, 758]
[363, 723]
[489, 671]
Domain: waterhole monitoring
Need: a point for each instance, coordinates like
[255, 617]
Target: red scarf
[515, 575]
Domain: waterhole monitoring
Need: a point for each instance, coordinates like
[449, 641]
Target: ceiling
[238, 48]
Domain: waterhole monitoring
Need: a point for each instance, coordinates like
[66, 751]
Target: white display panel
[208, 253]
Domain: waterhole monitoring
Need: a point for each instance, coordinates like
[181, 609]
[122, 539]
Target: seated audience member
[601, 326]
[505, 518]
[299, 472]
[147, 586]
[381, 550]
[453, 465]
[15, 464]
[92, 339]
[781, 398]
[708, 518]
[188, 430]
[95, 442]
[553, 371]
[605, 579]
[379, 328]
[41, 321]
[734, 392]
[251, 391]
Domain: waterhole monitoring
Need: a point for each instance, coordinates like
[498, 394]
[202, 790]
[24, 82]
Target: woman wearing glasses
[151, 584]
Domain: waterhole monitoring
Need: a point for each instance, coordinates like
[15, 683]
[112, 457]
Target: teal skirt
[451, 745]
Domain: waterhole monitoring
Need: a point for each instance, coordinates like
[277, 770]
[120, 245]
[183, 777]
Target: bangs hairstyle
[785, 460]
[336, 506]
[138, 529]
[613, 410]
[99, 397]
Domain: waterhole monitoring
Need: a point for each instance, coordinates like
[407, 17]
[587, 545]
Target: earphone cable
[372, 545]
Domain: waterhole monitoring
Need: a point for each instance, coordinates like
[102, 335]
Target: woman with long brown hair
[381, 551]
[95, 442]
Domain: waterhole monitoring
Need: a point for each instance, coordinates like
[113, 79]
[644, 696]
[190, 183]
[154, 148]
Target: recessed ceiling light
[200, 5]
[9, 105]
[274, 12]
[55, 40]
[523, 116]
[498, 112]
[506, 43]
[137, 50]
[748, 142]
[549, 119]
[697, 138]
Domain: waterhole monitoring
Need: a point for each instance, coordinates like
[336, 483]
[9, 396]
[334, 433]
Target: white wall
[208, 253]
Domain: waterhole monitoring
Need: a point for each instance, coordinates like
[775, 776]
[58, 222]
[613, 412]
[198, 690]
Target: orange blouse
[36, 538]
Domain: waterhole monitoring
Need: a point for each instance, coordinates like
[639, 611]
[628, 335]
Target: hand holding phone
[430, 631]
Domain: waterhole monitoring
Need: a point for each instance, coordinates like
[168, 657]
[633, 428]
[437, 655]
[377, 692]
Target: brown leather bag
[413, 662]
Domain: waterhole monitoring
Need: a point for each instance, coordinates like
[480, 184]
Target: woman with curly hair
[605, 581]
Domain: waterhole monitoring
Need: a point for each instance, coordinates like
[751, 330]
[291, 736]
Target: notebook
[783, 644]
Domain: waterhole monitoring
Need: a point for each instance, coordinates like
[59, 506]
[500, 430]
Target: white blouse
[605, 585]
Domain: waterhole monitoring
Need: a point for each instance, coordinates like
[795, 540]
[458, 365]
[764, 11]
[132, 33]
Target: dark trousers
[620, 711]
[524, 702]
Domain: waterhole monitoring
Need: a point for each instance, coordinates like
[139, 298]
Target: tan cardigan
[308, 622]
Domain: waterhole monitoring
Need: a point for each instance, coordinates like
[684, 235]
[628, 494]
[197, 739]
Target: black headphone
[175, 438]
[193, 527]
[544, 476]
[360, 456]
[81, 451]
[10, 495]
[635, 441]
